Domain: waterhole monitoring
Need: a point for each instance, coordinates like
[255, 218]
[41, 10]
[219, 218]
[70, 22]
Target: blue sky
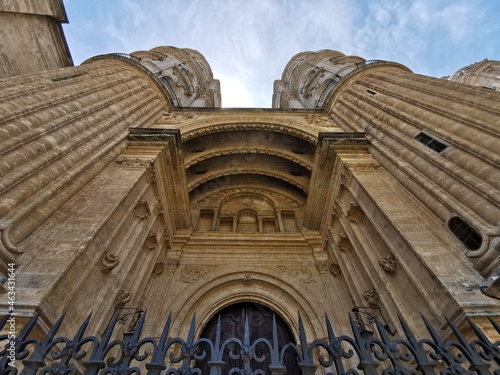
[248, 42]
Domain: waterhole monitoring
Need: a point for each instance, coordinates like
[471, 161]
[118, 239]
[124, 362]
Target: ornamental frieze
[193, 272]
[301, 273]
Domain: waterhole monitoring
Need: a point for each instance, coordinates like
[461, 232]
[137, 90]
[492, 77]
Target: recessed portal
[260, 321]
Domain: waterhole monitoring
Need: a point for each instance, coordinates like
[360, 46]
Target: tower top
[309, 77]
[186, 71]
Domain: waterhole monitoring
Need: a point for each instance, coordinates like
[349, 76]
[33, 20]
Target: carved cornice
[248, 126]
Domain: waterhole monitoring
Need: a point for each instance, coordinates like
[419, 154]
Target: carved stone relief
[193, 272]
[301, 273]
[389, 264]
[108, 262]
[159, 205]
[151, 174]
[337, 208]
[158, 268]
[123, 297]
[327, 266]
[171, 265]
[142, 209]
[318, 120]
[174, 118]
[151, 241]
[355, 213]
[371, 296]
[345, 174]
[344, 243]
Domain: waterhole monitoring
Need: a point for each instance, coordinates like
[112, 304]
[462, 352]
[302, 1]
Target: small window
[465, 233]
[68, 76]
[431, 142]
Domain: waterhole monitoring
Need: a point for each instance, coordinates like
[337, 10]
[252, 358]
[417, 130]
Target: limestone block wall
[394, 106]
[95, 252]
[58, 130]
[395, 258]
[31, 37]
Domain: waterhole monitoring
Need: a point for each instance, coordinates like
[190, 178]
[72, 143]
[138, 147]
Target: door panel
[260, 321]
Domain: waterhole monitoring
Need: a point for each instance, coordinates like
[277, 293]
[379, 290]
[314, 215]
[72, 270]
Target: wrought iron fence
[356, 354]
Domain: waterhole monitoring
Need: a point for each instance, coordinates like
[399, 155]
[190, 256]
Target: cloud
[250, 42]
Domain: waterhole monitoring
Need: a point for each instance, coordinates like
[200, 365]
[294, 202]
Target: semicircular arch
[218, 290]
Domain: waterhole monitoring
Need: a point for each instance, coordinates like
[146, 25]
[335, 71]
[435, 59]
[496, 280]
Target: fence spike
[423, 362]
[306, 362]
[329, 329]
[157, 363]
[476, 362]
[246, 334]
[494, 324]
[437, 339]
[366, 362]
[190, 338]
[96, 360]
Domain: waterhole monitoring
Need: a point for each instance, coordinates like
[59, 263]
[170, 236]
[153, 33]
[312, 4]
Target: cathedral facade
[366, 188]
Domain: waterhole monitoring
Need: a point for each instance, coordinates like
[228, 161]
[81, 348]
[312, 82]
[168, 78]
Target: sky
[249, 42]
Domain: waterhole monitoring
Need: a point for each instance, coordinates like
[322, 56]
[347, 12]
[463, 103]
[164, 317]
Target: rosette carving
[108, 262]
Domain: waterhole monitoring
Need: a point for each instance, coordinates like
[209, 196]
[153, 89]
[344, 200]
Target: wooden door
[260, 320]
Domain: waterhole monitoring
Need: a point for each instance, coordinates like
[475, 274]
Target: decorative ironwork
[356, 354]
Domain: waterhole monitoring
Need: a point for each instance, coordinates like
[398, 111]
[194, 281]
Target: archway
[260, 320]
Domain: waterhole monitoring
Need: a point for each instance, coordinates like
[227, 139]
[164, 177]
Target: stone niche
[247, 212]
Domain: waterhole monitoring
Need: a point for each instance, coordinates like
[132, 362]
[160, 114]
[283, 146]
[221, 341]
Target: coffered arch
[270, 161]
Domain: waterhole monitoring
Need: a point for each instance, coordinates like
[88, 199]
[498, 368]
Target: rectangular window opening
[431, 142]
[63, 78]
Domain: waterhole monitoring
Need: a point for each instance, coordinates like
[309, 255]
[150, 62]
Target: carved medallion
[151, 241]
[355, 213]
[123, 297]
[108, 262]
[142, 209]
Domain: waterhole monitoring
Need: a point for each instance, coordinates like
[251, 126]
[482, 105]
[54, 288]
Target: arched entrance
[260, 320]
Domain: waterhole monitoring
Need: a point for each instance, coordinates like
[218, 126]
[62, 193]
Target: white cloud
[252, 41]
